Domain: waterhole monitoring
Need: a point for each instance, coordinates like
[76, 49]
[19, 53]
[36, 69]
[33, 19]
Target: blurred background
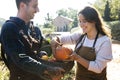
[57, 17]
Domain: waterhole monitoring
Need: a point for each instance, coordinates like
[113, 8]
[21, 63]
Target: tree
[107, 12]
[62, 12]
[100, 5]
[114, 6]
[71, 13]
[48, 23]
[115, 9]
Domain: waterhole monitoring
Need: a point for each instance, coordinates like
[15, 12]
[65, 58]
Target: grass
[4, 72]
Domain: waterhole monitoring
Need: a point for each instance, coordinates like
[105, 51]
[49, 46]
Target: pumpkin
[62, 53]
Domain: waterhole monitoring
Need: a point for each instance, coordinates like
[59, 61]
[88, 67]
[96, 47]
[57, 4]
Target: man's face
[31, 9]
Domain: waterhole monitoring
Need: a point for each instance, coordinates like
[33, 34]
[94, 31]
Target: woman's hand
[74, 56]
[79, 59]
[54, 43]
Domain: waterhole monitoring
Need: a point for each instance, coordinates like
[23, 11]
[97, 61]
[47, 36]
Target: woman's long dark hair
[92, 15]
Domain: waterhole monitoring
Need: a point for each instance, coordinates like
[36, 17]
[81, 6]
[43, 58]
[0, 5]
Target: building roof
[61, 20]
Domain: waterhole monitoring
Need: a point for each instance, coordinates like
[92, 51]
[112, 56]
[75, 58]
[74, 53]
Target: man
[17, 45]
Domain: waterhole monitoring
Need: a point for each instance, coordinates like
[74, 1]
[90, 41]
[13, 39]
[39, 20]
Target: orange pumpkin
[62, 53]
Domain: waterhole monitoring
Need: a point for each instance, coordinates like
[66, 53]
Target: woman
[93, 47]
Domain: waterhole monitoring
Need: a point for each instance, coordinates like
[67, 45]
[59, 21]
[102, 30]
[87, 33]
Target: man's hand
[55, 72]
[57, 77]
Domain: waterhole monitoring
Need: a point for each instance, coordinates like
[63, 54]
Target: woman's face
[86, 26]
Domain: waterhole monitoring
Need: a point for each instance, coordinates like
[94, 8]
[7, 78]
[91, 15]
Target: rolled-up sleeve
[69, 39]
[104, 55]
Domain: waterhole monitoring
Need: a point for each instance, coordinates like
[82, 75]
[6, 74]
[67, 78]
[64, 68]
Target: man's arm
[15, 50]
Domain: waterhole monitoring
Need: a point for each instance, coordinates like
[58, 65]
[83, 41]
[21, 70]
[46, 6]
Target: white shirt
[103, 48]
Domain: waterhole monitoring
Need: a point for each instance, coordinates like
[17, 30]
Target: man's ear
[22, 5]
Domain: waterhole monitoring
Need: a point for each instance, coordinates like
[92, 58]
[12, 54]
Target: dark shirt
[36, 33]
[15, 48]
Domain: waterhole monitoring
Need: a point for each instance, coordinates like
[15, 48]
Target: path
[114, 65]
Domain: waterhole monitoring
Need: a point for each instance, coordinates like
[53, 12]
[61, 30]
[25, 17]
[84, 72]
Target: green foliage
[115, 9]
[48, 25]
[46, 30]
[1, 22]
[62, 12]
[100, 5]
[4, 73]
[75, 22]
[71, 13]
[114, 6]
[69, 76]
[115, 29]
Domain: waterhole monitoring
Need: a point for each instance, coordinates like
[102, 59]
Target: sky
[8, 8]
